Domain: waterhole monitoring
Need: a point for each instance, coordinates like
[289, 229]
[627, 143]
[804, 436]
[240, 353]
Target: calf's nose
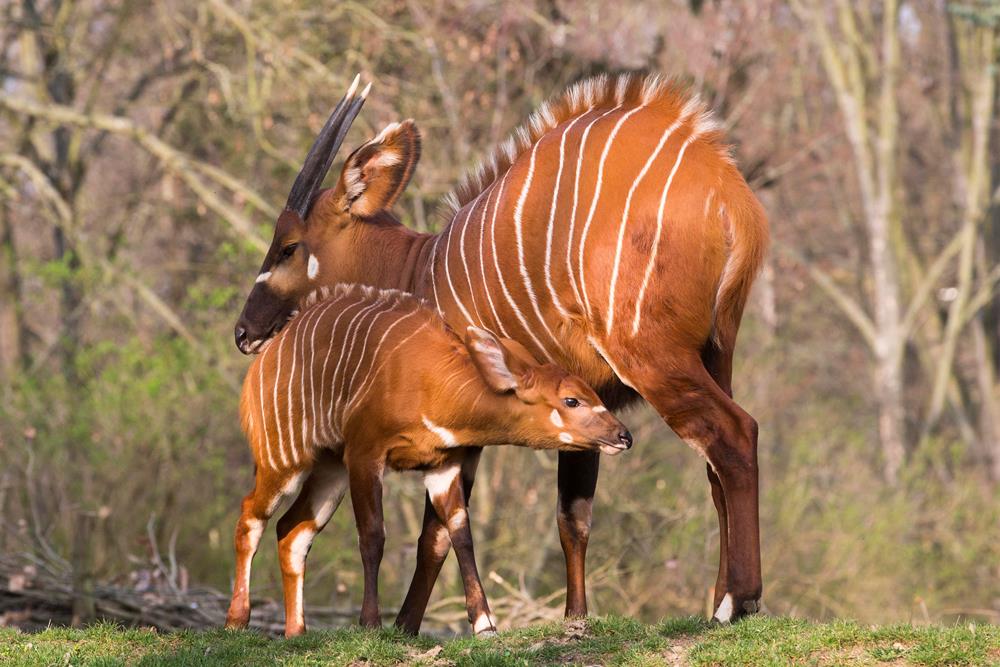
[626, 439]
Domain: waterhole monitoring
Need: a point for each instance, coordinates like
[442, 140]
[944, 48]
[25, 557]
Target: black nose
[241, 337]
[626, 439]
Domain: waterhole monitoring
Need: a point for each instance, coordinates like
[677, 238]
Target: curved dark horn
[324, 149]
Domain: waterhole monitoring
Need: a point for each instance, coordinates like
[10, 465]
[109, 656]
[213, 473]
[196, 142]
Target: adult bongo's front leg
[432, 549]
[257, 507]
[444, 487]
[320, 497]
[720, 508]
[366, 496]
[577, 483]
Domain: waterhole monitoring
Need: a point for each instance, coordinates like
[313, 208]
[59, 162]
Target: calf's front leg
[444, 486]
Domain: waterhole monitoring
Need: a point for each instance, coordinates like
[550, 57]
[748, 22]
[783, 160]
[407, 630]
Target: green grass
[605, 641]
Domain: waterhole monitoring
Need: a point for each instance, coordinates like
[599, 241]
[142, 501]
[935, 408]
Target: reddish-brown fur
[366, 380]
[662, 326]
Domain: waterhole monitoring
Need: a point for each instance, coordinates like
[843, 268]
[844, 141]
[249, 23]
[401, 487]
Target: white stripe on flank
[263, 413]
[624, 222]
[277, 420]
[607, 359]
[328, 431]
[519, 240]
[447, 266]
[597, 196]
[656, 238]
[552, 216]
[317, 398]
[361, 355]
[437, 299]
[482, 253]
[503, 284]
[369, 378]
[465, 261]
[576, 196]
[361, 395]
[291, 384]
[448, 438]
[346, 350]
[332, 380]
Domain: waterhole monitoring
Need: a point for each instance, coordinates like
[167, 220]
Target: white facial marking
[448, 438]
[439, 481]
[312, 270]
[725, 610]
[600, 408]
[483, 623]
[565, 437]
[263, 277]
[556, 418]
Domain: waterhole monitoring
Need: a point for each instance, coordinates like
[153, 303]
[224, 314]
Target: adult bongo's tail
[746, 230]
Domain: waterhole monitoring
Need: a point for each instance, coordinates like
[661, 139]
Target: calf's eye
[571, 402]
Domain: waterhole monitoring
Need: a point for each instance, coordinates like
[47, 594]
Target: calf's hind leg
[270, 487]
[319, 499]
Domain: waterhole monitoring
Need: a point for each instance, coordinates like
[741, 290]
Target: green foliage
[606, 641]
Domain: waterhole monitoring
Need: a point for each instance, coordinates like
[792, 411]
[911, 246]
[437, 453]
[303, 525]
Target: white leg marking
[565, 437]
[298, 551]
[552, 216]
[576, 193]
[263, 278]
[448, 438]
[624, 222]
[483, 624]
[458, 520]
[312, 270]
[725, 611]
[329, 494]
[255, 529]
[556, 418]
[656, 238]
[440, 480]
[594, 200]
[519, 242]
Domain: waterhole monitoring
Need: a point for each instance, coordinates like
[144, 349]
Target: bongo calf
[364, 380]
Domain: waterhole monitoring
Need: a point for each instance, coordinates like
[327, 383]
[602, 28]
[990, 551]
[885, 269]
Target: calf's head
[553, 408]
[317, 232]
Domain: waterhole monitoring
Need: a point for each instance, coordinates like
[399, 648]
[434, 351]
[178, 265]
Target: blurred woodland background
[146, 148]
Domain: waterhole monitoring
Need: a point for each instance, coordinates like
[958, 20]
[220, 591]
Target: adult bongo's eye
[571, 402]
[289, 250]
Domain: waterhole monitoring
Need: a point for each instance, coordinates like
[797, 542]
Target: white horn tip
[354, 85]
[364, 93]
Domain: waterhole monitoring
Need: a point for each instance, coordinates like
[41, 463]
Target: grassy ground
[611, 641]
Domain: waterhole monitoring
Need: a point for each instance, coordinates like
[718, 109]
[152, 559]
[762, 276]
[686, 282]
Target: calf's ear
[491, 359]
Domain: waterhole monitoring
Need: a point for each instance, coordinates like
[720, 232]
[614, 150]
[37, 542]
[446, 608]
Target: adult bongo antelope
[366, 380]
[611, 234]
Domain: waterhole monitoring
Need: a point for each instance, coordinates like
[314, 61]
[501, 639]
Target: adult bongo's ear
[375, 175]
[491, 360]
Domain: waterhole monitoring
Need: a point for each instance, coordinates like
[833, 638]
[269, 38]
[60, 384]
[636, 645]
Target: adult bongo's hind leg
[319, 499]
[577, 482]
[366, 496]
[432, 549]
[257, 507]
[704, 416]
